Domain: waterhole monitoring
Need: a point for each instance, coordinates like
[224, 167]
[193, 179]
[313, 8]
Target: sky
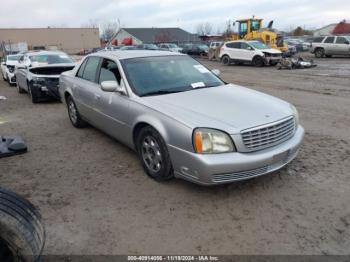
[187, 14]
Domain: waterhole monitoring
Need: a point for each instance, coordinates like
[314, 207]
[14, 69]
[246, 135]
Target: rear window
[318, 40]
[342, 40]
[329, 40]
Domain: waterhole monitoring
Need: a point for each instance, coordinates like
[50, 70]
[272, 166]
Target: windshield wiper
[160, 92]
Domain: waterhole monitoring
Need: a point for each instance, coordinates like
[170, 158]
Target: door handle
[97, 97]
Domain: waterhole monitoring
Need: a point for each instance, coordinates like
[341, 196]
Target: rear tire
[19, 89]
[319, 52]
[74, 115]
[258, 61]
[154, 155]
[22, 235]
[226, 60]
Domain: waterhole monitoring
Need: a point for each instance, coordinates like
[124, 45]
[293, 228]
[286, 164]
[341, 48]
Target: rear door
[233, 50]
[343, 46]
[87, 89]
[330, 47]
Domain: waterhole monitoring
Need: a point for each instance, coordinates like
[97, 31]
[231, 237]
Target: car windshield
[172, 46]
[167, 74]
[204, 47]
[258, 45]
[51, 58]
[13, 57]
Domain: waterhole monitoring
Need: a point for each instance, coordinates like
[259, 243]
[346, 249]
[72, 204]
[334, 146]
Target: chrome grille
[268, 135]
[240, 175]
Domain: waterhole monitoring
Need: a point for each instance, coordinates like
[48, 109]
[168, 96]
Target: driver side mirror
[113, 86]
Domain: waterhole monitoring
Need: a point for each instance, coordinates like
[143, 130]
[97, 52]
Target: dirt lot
[95, 198]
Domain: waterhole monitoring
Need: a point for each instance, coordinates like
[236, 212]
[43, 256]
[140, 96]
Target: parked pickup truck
[330, 45]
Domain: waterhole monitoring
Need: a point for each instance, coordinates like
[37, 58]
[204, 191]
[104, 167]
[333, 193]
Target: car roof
[127, 54]
[44, 53]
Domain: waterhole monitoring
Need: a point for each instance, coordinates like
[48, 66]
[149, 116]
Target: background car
[148, 47]
[253, 52]
[331, 45]
[170, 47]
[195, 49]
[8, 68]
[180, 118]
[215, 45]
[38, 72]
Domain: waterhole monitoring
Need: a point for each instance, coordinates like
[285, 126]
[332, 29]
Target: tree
[108, 29]
[204, 29]
[228, 30]
[299, 31]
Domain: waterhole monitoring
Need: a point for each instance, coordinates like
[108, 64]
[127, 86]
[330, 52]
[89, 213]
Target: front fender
[173, 132]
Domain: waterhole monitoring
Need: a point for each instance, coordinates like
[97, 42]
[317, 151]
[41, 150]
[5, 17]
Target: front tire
[258, 61]
[33, 94]
[154, 154]
[74, 115]
[319, 53]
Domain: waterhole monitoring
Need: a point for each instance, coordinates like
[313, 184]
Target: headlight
[211, 141]
[296, 115]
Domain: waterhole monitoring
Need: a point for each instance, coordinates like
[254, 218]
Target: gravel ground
[95, 198]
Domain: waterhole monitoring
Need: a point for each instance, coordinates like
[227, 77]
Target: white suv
[253, 52]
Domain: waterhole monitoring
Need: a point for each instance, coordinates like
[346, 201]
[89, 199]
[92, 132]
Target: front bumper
[46, 88]
[231, 167]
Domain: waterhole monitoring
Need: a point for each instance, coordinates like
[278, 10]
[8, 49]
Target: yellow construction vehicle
[252, 29]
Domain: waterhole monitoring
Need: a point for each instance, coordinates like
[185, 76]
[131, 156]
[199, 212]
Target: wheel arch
[148, 120]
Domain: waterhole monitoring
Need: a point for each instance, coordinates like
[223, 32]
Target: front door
[112, 106]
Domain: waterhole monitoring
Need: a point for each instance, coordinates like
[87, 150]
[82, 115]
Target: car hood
[46, 65]
[230, 108]
[271, 51]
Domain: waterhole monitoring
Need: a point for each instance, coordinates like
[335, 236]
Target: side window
[245, 46]
[329, 40]
[233, 45]
[341, 40]
[81, 69]
[318, 40]
[109, 71]
[90, 69]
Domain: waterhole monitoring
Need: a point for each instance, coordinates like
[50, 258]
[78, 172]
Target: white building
[326, 30]
[154, 35]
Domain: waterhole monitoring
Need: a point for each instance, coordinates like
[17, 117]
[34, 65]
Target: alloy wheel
[151, 154]
[72, 112]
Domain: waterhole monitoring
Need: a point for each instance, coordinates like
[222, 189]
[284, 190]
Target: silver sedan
[181, 118]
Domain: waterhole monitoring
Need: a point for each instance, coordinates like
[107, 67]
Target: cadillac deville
[181, 118]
